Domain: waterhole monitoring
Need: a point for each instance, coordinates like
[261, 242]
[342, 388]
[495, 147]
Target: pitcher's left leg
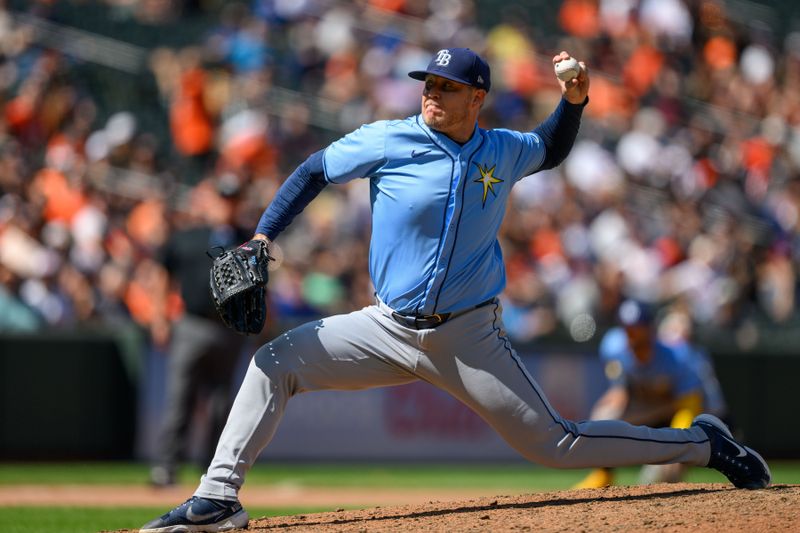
[471, 358]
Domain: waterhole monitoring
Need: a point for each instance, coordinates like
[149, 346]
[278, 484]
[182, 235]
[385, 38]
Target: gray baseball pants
[468, 356]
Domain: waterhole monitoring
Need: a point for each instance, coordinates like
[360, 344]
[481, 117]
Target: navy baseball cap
[635, 313]
[458, 64]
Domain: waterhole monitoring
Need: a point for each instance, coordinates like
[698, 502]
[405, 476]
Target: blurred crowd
[682, 187]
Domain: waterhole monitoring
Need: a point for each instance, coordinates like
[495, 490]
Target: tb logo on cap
[443, 58]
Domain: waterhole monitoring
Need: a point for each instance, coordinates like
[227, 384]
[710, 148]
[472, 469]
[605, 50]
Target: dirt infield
[679, 507]
[666, 507]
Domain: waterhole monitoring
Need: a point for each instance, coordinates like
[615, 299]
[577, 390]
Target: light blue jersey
[678, 367]
[436, 208]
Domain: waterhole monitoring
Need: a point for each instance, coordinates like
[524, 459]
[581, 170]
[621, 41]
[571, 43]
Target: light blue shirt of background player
[669, 370]
[660, 369]
[437, 204]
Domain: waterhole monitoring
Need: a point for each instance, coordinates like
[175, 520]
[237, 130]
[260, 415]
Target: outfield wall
[67, 396]
[96, 395]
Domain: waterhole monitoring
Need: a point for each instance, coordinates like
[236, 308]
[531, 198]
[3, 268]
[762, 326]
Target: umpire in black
[203, 354]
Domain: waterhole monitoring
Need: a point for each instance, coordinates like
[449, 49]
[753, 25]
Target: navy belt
[432, 321]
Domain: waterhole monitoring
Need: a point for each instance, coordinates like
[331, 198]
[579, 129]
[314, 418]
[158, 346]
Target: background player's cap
[634, 312]
[458, 64]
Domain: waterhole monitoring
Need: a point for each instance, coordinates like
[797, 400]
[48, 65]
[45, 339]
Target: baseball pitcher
[439, 185]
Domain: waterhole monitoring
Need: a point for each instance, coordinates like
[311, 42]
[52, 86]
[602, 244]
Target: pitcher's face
[449, 106]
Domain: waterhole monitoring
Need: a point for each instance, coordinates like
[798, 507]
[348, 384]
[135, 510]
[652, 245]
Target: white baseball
[567, 69]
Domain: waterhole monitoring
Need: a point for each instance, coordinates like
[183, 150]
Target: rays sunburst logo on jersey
[488, 180]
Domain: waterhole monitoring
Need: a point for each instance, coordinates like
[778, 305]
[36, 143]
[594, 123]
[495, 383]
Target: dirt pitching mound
[664, 507]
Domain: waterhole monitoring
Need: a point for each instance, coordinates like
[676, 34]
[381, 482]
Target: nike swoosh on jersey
[414, 153]
[200, 517]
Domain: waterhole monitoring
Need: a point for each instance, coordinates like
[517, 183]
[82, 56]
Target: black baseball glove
[238, 286]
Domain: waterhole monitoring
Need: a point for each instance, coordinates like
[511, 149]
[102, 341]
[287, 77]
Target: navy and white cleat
[743, 466]
[199, 515]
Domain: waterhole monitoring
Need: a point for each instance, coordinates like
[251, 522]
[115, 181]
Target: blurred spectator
[14, 314]
[681, 188]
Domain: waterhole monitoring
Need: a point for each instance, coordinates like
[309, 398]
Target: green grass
[502, 478]
[89, 519]
[499, 476]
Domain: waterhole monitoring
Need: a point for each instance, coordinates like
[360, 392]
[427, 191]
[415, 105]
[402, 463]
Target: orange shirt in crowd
[62, 200]
[720, 53]
[192, 130]
[580, 18]
[642, 69]
[147, 223]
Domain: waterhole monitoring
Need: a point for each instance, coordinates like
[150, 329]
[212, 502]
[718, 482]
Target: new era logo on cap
[458, 64]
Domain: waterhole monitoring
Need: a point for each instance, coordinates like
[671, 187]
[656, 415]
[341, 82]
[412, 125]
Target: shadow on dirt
[493, 506]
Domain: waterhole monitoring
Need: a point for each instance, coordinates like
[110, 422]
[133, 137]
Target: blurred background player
[202, 352]
[657, 378]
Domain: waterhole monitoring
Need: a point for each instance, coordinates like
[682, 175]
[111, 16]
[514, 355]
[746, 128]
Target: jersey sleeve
[357, 154]
[525, 149]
